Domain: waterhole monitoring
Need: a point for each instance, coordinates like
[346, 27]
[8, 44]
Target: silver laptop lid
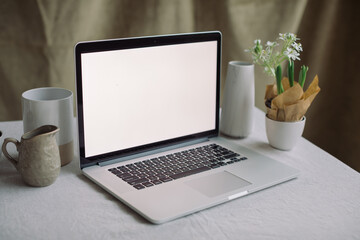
[140, 94]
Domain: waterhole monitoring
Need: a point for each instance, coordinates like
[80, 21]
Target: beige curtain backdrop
[37, 40]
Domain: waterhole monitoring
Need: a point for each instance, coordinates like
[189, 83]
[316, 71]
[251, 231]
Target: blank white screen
[139, 96]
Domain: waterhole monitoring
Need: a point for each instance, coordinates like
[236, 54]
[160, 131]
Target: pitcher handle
[7, 155]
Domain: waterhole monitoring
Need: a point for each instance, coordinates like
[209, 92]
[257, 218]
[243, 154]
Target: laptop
[148, 122]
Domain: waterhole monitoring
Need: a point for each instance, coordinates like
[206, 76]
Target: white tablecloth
[323, 203]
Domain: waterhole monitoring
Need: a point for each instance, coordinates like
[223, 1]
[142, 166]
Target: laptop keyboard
[170, 167]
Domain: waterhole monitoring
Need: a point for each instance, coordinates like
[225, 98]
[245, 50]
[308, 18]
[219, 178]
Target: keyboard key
[139, 186]
[116, 172]
[231, 155]
[165, 179]
[215, 165]
[148, 184]
[156, 182]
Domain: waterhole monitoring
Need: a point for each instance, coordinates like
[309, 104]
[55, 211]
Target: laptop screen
[138, 97]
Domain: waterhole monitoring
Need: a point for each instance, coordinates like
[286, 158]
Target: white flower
[257, 42]
[288, 36]
[271, 44]
[292, 54]
[297, 46]
[282, 36]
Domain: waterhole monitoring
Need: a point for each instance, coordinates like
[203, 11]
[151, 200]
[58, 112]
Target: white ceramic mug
[54, 106]
[237, 113]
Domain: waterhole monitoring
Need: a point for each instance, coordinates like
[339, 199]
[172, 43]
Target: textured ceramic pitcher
[38, 161]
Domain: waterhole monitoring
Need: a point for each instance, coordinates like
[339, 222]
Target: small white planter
[284, 135]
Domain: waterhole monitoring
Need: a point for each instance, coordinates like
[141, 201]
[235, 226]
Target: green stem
[279, 85]
[291, 72]
[302, 75]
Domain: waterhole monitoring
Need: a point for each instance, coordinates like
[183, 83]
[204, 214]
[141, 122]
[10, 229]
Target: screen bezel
[139, 42]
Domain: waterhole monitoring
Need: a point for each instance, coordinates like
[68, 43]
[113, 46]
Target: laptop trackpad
[217, 184]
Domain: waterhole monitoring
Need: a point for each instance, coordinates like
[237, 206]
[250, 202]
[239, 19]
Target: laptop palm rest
[217, 184]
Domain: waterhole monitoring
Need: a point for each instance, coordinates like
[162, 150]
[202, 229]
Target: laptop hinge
[151, 152]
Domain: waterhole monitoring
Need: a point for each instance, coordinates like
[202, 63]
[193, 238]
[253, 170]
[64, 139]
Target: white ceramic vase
[237, 113]
[284, 135]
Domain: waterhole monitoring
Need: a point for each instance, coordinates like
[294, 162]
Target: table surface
[322, 203]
